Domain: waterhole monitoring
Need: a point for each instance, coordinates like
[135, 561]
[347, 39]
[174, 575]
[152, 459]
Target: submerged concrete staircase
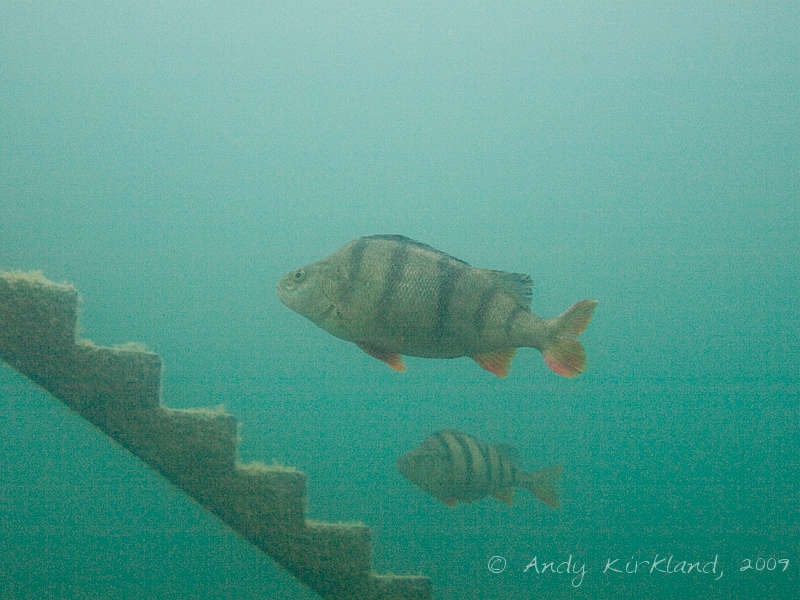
[117, 390]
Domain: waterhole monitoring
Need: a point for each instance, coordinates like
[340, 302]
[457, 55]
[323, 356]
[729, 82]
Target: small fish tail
[562, 351]
[543, 483]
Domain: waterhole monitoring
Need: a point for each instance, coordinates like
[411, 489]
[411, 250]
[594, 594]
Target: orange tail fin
[563, 352]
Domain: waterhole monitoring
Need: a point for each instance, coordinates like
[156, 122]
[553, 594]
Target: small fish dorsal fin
[392, 359]
[497, 362]
[518, 285]
[510, 452]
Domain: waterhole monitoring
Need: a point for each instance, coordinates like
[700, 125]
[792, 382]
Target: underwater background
[173, 160]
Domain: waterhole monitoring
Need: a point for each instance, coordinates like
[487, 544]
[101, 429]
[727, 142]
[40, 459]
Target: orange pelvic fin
[497, 362]
[392, 359]
[563, 352]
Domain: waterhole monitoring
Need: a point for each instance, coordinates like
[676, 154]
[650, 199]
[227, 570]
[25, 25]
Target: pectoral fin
[392, 359]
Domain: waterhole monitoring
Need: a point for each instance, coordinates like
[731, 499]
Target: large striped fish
[456, 467]
[392, 295]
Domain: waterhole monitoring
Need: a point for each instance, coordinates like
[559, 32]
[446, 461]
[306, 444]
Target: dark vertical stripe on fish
[485, 301]
[507, 475]
[469, 467]
[514, 474]
[397, 262]
[512, 317]
[483, 449]
[356, 258]
[456, 455]
[496, 467]
[439, 437]
[449, 272]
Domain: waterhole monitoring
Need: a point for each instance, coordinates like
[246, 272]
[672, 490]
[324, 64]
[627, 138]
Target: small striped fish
[392, 295]
[456, 467]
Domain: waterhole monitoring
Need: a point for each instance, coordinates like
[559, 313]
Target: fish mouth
[285, 287]
[285, 281]
[403, 464]
[281, 289]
